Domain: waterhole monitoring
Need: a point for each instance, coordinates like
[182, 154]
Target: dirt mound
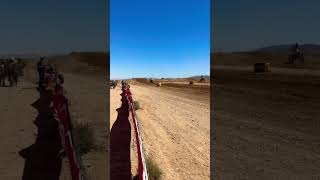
[141, 80]
[98, 59]
[83, 63]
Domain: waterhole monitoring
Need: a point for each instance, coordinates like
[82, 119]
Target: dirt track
[175, 125]
[16, 130]
[267, 125]
[17, 116]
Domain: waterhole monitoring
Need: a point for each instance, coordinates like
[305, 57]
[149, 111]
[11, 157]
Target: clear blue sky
[162, 38]
[55, 26]
[249, 24]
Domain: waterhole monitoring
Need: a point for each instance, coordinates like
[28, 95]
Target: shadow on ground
[42, 159]
[120, 164]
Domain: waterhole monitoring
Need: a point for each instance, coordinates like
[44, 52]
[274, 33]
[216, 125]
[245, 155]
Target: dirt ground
[88, 105]
[175, 124]
[267, 125]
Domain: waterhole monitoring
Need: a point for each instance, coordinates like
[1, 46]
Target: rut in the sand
[120, 143]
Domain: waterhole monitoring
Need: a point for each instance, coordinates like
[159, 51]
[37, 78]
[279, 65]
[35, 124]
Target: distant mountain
[19, 55]
[199, 77]
[307, 49]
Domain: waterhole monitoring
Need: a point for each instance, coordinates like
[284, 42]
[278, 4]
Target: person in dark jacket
[11, 68]
[41, 69]
[2, 74]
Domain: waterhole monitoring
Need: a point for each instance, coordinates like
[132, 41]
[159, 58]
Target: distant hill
[276, 55]
[199, 77]
[94, 63]
[284, 50]
[5, 56]
[100, 59]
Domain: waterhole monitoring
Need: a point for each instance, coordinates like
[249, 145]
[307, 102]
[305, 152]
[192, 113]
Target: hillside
[284, 50]
[92, 63]
[100, 59]
[199, 77]
[275, 55]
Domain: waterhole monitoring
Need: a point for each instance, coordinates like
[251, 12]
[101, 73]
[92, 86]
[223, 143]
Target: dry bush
[154, 171]
[136, 105]
[83, 137]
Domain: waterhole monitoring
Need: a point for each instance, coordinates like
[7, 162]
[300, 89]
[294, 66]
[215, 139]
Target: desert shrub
[154, 171]
[83, 138]
[191, 82]
[136, 105]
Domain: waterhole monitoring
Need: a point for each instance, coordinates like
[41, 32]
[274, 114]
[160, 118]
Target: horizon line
[265, 46]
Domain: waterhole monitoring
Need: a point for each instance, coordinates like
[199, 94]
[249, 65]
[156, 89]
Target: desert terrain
[266, 125]
[175, 125]
[85, 86]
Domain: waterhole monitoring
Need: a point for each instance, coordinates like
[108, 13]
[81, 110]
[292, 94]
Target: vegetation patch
[83, 138]
[136, 105]
[154, 171]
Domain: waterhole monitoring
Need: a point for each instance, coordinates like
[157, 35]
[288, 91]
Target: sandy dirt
[17, 130]
[267, 125]
[175, 124]
[87, 95]
[88, 105]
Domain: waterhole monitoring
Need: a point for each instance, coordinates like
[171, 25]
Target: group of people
[48, 75]
[113, 84]
[9, 71]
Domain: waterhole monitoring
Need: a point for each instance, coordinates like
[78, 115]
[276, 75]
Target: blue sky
[159, 38]
[249, 24]
[57, 26]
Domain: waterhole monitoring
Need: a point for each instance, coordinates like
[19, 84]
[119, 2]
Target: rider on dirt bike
[296, 48]
[296, 54]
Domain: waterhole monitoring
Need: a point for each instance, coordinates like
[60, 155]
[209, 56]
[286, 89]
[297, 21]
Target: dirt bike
[296, 56]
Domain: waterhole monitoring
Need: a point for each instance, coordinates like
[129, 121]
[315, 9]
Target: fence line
[142, 167]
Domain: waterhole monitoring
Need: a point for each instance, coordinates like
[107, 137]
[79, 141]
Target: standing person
[50, 80]
[40, 69]
[10, 69]
[123, 84]
[15, 71]
[2, 74]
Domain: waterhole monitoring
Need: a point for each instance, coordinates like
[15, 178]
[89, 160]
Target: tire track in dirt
[267, 125]
[176, 132]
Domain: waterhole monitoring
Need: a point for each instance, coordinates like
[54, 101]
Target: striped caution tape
[142, 167]
[62, 115]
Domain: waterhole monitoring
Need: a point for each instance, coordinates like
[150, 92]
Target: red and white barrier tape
[142, 167]
[62, 114]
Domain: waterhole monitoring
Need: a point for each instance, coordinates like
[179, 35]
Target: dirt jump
[175, 125]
